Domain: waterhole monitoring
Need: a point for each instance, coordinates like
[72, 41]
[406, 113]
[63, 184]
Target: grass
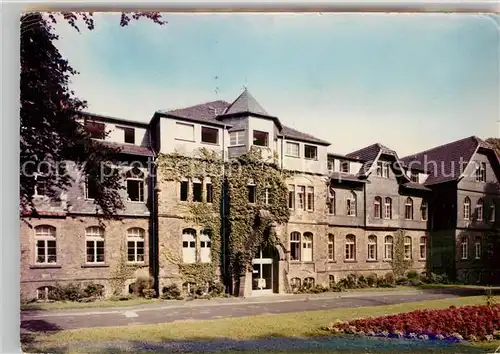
[61, 305]
[291, 325]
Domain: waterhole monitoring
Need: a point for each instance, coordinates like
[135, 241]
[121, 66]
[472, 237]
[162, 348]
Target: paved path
[171, 311]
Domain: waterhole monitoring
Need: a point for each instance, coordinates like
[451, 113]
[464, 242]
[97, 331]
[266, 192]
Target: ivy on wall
[121, 272]
[247, 225]
[399, 264]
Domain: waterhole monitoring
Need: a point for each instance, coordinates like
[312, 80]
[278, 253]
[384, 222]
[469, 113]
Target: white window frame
[467, 208]
[424, 210]
[492, 211]
[350, 248]
[291, 152]
[314, 148]
[481, 172]
[372, 248]
[307, 247]
[477, 248]
[238, 136]
[331, 247]
[292, 197]
[310, 198]
[464, 247]
[45, 234]
[388, 248]
[330, 165]
[142, 197]
[189, 138]
[301, 198]
[295, 239]
[95, 234]
[377, 207]
[480, 209]
[385, 170]
[351, 204]
[209, 128]
[189, 235]
[205, 247]
[331, 201]
[408, 248]
[423, 247]
[388, 208]
[409, 209]
[136, 235]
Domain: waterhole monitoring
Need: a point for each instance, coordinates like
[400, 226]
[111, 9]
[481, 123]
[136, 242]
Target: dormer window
[310, 152]
[414, 177]
[96, 130]
[481, 173]
[385, 170]
[209, 135]
[260, 138]
[128, 135]
[331, 164]
[344, 167]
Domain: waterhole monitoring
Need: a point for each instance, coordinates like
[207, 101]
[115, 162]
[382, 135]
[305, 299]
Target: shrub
[402, 281]
[371, 280]
[171, 292]
[142, 283]
[148, 293]
[94, 290]
[216, 289]
[412, 274]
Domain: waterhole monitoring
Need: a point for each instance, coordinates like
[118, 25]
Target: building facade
[342, 212]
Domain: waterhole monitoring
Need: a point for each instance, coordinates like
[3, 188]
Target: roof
[128, 149]
[200, 113]
[347, 177]
[290, 133]
[343, 157]
[415, 185]
[445, 163]
[245, 103]
[368, 155]
[104, 118]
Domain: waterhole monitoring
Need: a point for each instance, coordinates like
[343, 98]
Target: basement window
[209, 135]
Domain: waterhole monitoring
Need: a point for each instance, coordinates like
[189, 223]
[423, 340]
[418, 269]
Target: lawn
[305, 326]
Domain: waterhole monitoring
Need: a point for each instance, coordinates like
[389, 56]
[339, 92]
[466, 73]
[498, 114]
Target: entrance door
[262, 277]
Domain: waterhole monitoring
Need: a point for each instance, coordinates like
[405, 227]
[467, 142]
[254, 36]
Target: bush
[149, 293]
[94, 290]
[371, 280]
[412, 274]
[402, 281]
[216, 289]
[432, 278]
[171, 292]
[141, 284]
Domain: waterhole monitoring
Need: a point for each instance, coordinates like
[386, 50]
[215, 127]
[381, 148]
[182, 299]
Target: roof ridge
[195, 105]
[441, 146]
[363, 148]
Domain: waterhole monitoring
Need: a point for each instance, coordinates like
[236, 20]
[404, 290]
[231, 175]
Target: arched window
[388, 208]
[350, 248]
[477, 247]
[492, 211]
[388, 247]
[464, 247]
[295, 246]
[480, 209]
[309, 282]
[331, 247]
[135, 185]
[466, 208]
[372, 248]
[409, 209]
[424, 210]
[423, 247]
[135, 244]
[45, 240]
[377, 208]
[351, 204]
[295, 283]
[331, 201]
[408, 247]
[307, 247]
[205, 247]
[94, 237]
[189, 245]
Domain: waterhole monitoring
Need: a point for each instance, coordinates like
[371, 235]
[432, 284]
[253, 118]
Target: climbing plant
[399, 264]
[121, 272]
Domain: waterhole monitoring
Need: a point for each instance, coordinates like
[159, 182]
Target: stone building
[344, 211]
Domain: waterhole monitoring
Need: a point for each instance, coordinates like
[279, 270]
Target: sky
[408, 81]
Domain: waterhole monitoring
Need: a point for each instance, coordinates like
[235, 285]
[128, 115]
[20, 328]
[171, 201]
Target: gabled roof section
[446, 162]
[289, 133]
[128, 149]
[246, 103]
[369, 156]
[200, 113]
[109, 119]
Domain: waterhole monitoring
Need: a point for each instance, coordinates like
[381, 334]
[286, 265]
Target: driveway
[172, 311]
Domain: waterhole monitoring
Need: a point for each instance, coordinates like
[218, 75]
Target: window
[388, 247]
[266, 196]
[464, 247]
[135, 185]
[96, 130]
[237, 138]
[45, 239]
[309, 282]
[409, 209]
[205, 247]
[331, 281]
[492, 211]
[44, 293]
[307, 249]
[310, 152]
[331, 201]
[209, 192]
[467, 208]
[385, 170]
[414, 177]
[41, 188]
[301, 195]
[330, 164]
[260, 138]
[372, 248]
[295, 283]
[490, 250]
[481, 172]
[377, 211]
[95, 244]
[128, 134]
[295, 246]
[379, 168]
[480, 209]
[351, 204]
[423, 247]
[184, 131]
[310, 198]
[291, 196]
[184, 190]
[388, 208]
[477, 248]
[424, 210]
[209, 135]
[407, 246]
[135, 244]
[331, 247]
[350, 248]
[197, 191]
[91, 191]
[188, 246]
[344, 167]
[292, 149]
[251, 193]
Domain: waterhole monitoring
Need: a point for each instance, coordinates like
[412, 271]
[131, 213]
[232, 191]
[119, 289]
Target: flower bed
[463, 323]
